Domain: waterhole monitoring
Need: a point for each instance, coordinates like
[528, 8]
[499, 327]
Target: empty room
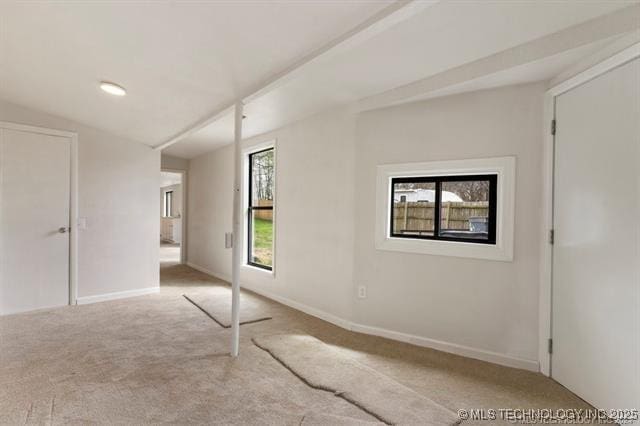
[385, 212]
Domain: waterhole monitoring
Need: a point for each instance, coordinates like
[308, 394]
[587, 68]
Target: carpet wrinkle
[317, 386]
[28, 415]
[346, 378]
[314, 418]
[52, 408]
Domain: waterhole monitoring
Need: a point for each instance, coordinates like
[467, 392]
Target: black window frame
[168, 203]
[438, 180]
[250, 210]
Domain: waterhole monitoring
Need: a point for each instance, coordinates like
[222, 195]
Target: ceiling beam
[388, 17]
[615, 24]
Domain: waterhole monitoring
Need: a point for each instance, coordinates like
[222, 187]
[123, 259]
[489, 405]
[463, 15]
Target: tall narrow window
[260, 214]
[168, 204]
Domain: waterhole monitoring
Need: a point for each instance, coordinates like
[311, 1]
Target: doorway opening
[171, 217]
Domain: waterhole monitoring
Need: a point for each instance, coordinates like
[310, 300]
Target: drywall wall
[484, 305]
[168, 162]
[118, 195]
[210, 198]
[325, 224]
[314, 213]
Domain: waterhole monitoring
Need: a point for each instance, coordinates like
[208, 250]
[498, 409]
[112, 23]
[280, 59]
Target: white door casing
[596, 252]
[35, 203]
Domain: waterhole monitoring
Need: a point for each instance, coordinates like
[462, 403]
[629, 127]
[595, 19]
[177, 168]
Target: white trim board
[217, 275]
[453, 348]
[85, 300]
[325, 316]
[545, 293]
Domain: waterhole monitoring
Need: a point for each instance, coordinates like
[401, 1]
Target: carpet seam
[319, 387]
[218, 322]
[202, 309]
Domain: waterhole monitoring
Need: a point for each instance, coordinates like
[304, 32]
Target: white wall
[174, 163]
[210, 198]
[487, 305]
[325, 207]
[118, 194]
[314, 213]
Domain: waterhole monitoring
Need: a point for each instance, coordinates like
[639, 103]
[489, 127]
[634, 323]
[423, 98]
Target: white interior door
[34, 206]
[596, 254]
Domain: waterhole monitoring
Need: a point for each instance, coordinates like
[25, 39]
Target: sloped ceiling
[183, 62]
[435, 40]
[178, 60]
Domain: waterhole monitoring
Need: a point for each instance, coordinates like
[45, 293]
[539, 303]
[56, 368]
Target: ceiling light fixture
[112, 88]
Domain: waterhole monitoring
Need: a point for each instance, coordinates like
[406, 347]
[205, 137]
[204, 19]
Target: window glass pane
[465, 209]
[413, 208]
[261, 236]
[167, 203]
[262, 178]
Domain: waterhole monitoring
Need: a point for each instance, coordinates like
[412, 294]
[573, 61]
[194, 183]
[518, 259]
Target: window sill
[445, 248]
[267, 272]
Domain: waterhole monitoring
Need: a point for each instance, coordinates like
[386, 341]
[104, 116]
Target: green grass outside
[263, 241]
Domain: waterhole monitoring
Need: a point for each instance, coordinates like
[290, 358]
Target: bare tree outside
[263, 176]
[262, 194]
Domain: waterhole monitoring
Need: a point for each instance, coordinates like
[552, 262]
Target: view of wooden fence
[264, 214]
[418, 216]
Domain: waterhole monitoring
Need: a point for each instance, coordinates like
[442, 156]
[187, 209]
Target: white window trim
[504, 167]
[245, 204]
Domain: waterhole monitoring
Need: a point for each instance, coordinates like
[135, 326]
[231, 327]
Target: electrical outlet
[362, 292]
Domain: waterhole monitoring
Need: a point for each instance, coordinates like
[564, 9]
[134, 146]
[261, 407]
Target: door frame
[545, 302]
[73, 196]
[183, 182]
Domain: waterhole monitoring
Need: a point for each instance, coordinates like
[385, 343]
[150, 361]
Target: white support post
[236, 256]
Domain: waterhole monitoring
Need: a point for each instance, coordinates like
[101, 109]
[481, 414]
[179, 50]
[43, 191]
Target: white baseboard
[204, 270]
[333, 319]
[453, 348]
[117, 295]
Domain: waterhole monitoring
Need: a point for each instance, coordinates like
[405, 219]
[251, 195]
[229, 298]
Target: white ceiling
[179, 61]
[182, 62]
[438, 38]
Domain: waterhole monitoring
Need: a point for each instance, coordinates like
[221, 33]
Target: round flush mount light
[112, 88]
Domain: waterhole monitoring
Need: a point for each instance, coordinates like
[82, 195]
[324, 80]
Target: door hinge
[550, 347]
[551, 236]
[553, 126]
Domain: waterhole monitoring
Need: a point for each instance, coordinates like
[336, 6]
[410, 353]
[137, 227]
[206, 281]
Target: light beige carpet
[314, 418]
[322, 367]
[156, 359]
[216, 304]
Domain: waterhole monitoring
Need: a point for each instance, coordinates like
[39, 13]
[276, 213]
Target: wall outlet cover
[362, 292]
